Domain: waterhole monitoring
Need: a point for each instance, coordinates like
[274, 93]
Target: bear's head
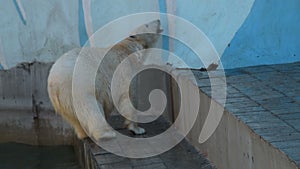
[148, 33]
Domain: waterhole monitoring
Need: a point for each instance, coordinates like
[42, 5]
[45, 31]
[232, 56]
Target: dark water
[20, 156]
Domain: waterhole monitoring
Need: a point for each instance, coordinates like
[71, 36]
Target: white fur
[60, 85]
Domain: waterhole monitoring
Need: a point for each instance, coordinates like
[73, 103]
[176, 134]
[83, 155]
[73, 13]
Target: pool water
[21, 156]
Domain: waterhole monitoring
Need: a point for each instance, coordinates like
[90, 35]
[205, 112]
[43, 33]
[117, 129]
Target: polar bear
[60, 84]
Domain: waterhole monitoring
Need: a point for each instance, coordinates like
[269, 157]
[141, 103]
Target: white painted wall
[44, 30]
[218, 19]
[50, 30]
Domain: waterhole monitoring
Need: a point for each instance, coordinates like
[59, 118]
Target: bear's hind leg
[80, 132]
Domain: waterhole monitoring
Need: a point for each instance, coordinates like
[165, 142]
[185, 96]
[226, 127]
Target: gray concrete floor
[181, 156]
[267, 99]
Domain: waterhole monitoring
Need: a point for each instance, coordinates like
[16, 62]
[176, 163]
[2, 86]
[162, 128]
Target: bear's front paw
[136, 130]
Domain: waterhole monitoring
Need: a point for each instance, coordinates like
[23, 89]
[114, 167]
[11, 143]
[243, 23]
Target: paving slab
[181, 156]
[267, 99]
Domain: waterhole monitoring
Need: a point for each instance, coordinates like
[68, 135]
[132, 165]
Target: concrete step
[260, 127]
[181, 156]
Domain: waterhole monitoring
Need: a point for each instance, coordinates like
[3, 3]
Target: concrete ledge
[253, 132]
[181, 156]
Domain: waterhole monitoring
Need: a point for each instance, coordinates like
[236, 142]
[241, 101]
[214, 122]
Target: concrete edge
[233, 145]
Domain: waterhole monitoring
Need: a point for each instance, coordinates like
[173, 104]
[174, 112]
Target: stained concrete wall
[25, 87]
[149, 80]
[26, 114]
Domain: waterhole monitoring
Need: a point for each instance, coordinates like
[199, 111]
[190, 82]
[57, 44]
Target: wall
[36, 30]
[218, 19]
[42, 31]
[270, 35]
[54, 27]
[26, 114]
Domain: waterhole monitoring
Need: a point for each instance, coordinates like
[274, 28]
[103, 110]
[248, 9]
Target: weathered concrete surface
[25, 87]
[25, 127]
[26, 114]
[181, 156]
[149, 80]
[260, 124]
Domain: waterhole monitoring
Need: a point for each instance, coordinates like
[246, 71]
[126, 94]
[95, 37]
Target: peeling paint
[2, 58]
[83, 36]
[88, 20]
[21, 11]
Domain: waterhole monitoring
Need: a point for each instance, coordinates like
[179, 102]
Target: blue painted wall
[270, 35]
[83, 36]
